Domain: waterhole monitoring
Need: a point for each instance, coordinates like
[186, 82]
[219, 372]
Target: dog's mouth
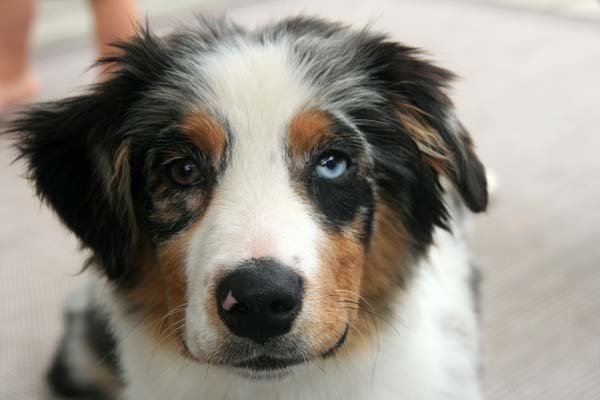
[266, 363]
[269, 367]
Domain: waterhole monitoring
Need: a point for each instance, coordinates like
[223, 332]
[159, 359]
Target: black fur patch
[169, 208]
[405, 78]
[404, 178]
[87, 332]
[339, 201]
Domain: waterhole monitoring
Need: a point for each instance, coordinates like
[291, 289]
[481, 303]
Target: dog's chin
[265, 368]
[270, 367]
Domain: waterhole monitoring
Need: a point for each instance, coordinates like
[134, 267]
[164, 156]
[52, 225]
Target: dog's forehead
[256, 89]
[255, 92]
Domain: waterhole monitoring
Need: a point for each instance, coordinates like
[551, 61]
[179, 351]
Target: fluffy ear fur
[81, 168]
[79, 156]
[416, 90]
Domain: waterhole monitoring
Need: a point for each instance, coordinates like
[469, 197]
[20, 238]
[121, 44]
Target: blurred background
[530, 94]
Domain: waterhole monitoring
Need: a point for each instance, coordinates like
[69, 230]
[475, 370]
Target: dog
[278, 213]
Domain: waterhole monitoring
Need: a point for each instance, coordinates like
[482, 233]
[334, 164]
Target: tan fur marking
[206, 133]
[307, 129]
[429, 142]
[387, 259]
[333, 293]
[120, 184]
[121, 178]
[160, 296]
[357, 284]
[385, 263]
[105, 379]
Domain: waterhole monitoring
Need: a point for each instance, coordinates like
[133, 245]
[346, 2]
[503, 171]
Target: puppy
[271, 214]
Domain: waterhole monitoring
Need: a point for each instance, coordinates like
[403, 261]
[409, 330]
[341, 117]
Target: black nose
[260, 299]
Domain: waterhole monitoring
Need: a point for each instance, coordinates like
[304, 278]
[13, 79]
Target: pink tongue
[229, 302]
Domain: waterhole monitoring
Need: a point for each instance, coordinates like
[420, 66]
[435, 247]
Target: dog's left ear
[416, 91]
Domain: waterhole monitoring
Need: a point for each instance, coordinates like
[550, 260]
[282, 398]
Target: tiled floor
[529, 94]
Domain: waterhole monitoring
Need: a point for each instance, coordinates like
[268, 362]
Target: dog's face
[256, 197]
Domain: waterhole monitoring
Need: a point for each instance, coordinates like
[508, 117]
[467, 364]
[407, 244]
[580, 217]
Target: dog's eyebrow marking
[306, 130]
[206, 133]
[427, 140]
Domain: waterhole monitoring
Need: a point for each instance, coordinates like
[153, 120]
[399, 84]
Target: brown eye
[184, 172]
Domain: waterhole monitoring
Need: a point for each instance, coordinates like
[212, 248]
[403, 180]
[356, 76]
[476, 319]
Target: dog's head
[255, 189]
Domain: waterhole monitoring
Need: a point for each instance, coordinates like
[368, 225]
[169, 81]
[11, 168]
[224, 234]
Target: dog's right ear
[79, 156]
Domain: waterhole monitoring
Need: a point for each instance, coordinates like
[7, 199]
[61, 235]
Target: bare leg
[17, 82]
[115, 20]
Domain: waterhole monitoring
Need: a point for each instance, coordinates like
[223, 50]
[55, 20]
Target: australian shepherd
[277, 213]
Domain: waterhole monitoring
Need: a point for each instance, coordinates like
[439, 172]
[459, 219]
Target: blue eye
[332, 166]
